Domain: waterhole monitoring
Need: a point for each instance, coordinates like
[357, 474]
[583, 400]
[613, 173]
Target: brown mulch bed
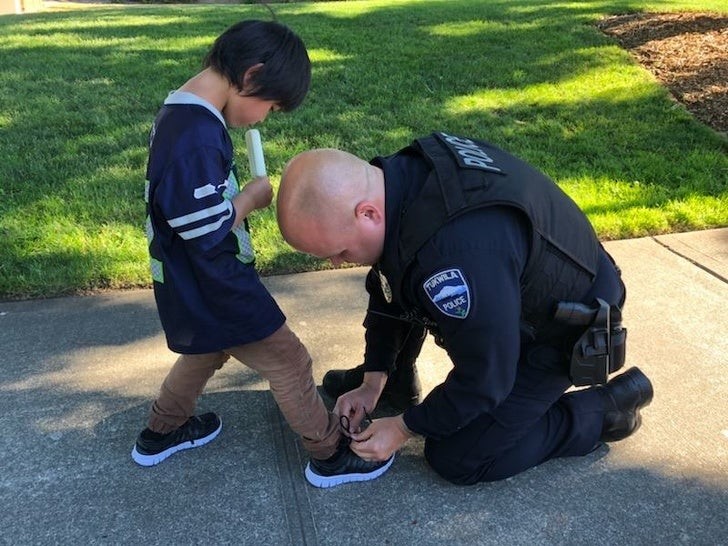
[687, 52]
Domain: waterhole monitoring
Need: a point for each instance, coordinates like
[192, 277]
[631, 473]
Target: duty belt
[600, 350]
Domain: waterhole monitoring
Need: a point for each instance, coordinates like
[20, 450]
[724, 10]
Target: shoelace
[345, 423]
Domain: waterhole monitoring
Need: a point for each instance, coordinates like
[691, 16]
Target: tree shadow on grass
[463, 63]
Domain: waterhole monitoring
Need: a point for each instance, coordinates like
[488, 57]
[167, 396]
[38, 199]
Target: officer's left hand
[380, 439]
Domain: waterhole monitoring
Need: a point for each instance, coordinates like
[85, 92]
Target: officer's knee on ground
[455, 467]
[447, 465]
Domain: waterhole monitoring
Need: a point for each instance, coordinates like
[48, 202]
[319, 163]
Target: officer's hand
[380, 439]
[354, 404]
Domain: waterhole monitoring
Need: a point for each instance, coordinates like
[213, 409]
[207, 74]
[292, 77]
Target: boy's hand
[260, 192]
[256, 194]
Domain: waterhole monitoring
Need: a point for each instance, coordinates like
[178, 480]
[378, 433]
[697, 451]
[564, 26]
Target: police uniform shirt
[208, 294]
[466, 281]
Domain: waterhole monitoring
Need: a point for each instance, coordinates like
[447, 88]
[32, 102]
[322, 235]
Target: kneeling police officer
[491, 257]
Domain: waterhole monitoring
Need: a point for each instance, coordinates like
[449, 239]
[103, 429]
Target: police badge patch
[449, 291]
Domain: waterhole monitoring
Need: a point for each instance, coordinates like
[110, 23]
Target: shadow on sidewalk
[72, 480]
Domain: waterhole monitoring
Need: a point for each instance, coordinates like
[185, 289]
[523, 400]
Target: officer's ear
[368, 212]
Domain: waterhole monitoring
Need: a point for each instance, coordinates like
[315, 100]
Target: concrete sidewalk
[79, 373]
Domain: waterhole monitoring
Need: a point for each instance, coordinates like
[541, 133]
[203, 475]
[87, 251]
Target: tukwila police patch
[449, 291]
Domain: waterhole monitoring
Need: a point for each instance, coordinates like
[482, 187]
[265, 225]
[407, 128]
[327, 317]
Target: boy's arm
[257, 194]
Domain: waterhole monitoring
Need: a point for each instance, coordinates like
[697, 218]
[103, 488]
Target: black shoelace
[346, 424]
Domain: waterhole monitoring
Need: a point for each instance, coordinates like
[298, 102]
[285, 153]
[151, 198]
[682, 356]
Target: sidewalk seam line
[298, 513]
[694, 262]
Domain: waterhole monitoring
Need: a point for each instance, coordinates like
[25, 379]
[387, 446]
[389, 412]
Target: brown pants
[282, 360]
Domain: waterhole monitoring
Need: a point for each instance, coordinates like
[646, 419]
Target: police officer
[500, 265]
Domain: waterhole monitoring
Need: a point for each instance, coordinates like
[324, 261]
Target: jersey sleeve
[194, 197]
[470, 288]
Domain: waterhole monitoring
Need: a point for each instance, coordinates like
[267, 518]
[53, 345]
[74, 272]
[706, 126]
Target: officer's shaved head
[319, 196]
[316, 184]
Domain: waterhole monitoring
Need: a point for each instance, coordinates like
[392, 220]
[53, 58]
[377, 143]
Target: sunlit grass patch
[81, 87]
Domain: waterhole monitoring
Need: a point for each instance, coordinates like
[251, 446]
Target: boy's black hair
[286, 72]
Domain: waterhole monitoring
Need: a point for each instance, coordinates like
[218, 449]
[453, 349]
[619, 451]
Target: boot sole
[646, 393]
[644, 386]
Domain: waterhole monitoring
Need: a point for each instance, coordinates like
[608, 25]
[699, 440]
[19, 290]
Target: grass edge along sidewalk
[536, 78]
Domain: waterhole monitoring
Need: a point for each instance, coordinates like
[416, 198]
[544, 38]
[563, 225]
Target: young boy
[211, 302]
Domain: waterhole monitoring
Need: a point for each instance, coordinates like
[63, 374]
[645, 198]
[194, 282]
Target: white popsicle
[255, 152]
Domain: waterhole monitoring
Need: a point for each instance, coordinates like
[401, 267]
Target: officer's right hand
[356, 403]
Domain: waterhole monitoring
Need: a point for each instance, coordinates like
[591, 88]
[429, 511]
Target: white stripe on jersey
[200, 214]
[204, 191]
[200, 231]
[210, 189]
[225, 207]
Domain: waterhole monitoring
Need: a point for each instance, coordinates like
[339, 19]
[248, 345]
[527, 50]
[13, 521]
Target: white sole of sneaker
[332, 481]
[151, 460]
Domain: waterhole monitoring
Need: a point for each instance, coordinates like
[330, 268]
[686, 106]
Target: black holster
[601, 348]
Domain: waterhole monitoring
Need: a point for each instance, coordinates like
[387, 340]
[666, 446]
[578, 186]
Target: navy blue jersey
[208, 294]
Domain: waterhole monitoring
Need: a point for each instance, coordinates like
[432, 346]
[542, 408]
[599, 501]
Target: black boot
[623, 397]
[403, 388]
[401, 391]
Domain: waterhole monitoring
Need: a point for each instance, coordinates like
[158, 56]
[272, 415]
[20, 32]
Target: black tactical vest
[469, 174]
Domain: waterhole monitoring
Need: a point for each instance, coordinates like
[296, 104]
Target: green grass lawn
[80, 87]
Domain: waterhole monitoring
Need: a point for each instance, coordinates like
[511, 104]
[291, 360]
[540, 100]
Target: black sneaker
[401, 391]
[152, 448]
[344, 466]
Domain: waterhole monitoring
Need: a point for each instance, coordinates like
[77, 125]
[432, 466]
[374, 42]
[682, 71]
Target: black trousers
[537, 422]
